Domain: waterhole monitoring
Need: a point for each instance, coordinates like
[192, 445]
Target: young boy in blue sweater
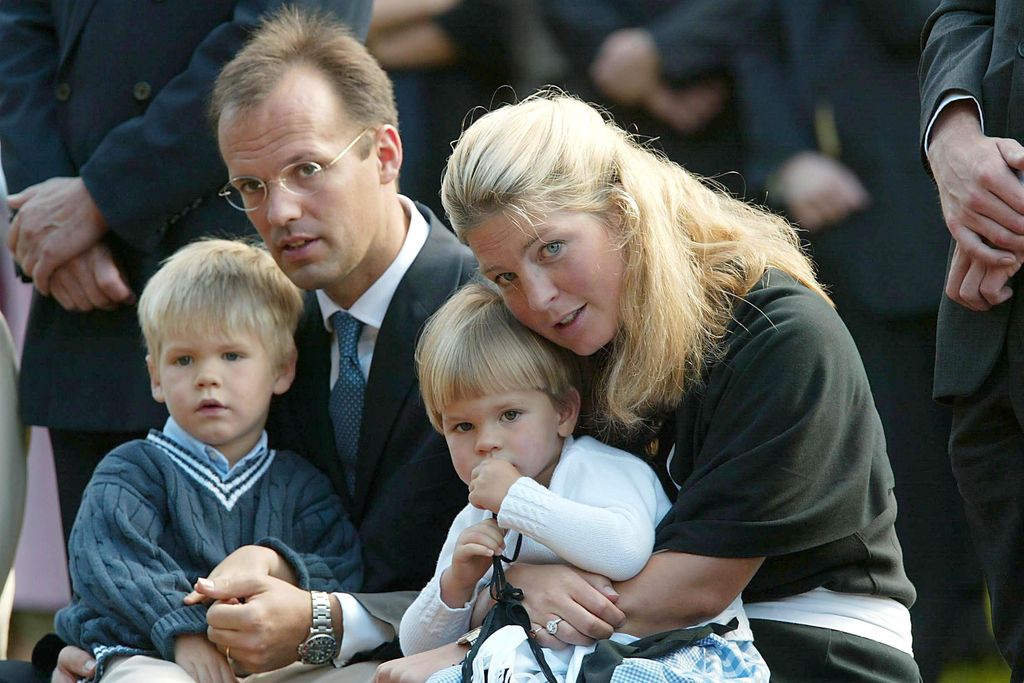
[159, 513]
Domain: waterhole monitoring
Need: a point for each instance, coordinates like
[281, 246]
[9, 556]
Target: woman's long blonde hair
[690, 251]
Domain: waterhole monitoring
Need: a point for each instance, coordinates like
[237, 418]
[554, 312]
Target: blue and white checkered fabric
[708, 660]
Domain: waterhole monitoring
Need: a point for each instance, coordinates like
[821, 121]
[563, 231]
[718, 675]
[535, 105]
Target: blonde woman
[712, 347]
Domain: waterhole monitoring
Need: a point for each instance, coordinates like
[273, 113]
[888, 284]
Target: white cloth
[882, 620]
[599, 514]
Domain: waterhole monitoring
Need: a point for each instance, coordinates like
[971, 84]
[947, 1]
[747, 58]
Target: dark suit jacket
[694, 38]
[973, 46]
[858, 59]
[115, 91]
[407, 492]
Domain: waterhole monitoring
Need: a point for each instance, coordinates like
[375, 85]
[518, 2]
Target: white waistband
[880, 619]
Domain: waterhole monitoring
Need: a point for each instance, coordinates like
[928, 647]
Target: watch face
[318, 649]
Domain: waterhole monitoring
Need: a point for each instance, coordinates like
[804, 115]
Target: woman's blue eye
[505, 278]
[552, 248]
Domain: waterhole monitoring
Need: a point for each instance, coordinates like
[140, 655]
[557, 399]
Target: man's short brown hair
[291, 37]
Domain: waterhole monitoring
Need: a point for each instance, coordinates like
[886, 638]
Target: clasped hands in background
[56, 238]
[983, 204]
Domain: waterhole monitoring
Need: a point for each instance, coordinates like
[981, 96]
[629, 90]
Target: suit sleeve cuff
[951, 97]
[362, 632]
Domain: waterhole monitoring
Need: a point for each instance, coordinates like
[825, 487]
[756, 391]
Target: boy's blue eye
[463, 427]
[182, 361]
[232, 355]
[511, 415]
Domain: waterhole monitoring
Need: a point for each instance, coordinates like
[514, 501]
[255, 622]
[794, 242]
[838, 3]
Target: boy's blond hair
[473, 346]
[217, 286]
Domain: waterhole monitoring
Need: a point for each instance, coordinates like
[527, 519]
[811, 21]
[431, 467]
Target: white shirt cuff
[362, 631]
[953, 96]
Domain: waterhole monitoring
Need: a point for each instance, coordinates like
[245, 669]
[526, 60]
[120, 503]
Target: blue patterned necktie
[347, 395]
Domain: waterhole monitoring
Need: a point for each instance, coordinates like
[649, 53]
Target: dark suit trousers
[75, 456]
[987, 451]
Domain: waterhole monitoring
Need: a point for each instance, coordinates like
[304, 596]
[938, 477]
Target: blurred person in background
[664, 70]
[447, 58]
[831, 111]
[114, 166]
[971, 125]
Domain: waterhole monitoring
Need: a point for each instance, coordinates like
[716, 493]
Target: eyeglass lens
[302, 178]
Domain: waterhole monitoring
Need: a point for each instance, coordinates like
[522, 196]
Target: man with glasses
[113, 167]
[307, 128]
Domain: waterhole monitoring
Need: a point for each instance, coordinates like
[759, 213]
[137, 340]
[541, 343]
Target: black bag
[508, 611]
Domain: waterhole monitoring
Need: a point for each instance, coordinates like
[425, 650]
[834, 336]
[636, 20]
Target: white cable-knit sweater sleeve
[599, 513]
[429, 623]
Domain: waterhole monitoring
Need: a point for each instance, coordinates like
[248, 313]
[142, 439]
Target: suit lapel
[392, 382]
[76, 14]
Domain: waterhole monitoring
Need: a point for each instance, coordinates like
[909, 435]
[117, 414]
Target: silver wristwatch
[321, 646]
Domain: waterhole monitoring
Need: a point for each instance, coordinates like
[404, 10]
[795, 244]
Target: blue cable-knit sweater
[155, 517]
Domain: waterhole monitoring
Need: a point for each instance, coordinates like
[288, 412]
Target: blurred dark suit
[839, 78]
[115, 91]
[694, 38]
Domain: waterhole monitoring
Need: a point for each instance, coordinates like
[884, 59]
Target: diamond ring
[552, 626]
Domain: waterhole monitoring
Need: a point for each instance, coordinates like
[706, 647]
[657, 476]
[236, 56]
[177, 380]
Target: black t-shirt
[780, 453]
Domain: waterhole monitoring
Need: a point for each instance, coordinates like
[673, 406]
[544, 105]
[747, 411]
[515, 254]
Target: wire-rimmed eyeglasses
[248, 193]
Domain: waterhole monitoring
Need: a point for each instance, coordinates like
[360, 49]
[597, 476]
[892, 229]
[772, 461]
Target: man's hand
[490, 482]
[977, 286]
[474, 549]
[73, 664]
[91, 281]
[819, 191]
[249, 560]
[585, 602]
[202, 660]
[56, 221]
[627, 67]
[419, 667]
[982, 198]
[689, 109]
[261, 618]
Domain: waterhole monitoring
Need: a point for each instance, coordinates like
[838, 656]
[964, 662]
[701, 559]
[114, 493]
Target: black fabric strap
[600, 664]
[507, 611]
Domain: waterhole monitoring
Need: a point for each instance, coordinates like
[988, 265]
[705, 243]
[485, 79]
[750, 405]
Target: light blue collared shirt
[205, 453]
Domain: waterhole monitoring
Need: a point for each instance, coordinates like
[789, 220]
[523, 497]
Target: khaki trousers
[153, 670]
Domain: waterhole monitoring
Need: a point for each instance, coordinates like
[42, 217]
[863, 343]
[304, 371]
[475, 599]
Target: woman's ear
[568, 413]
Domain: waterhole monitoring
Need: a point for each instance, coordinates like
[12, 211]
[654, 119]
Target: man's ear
[154, 380]
[286, 373]
[388, 148]
[568, 413]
